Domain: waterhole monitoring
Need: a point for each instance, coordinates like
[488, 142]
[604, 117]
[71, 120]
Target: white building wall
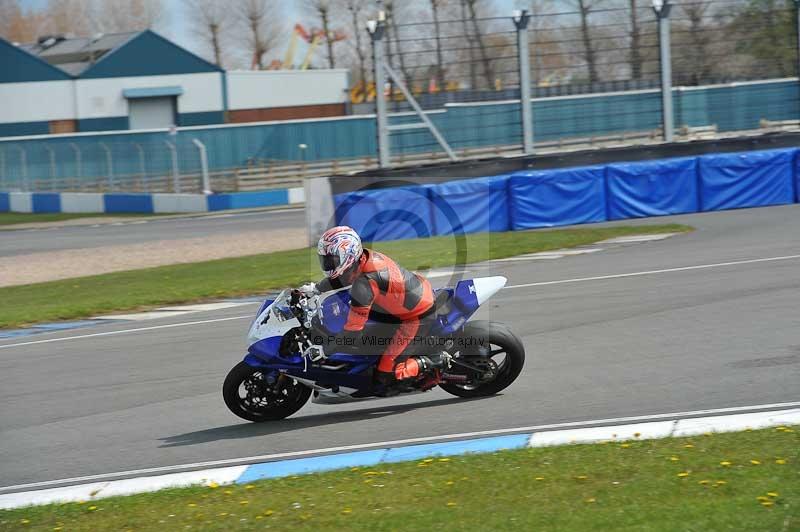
[37, 101]
[102, 98]
[286, 88]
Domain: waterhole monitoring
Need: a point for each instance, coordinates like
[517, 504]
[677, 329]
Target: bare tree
[259, 33]
[69, 17]
[472, 6]
[322, 9]
[585, 8]
[436, 5]
[208, 19]
[635, 56]
[18, 26]
[355, 10]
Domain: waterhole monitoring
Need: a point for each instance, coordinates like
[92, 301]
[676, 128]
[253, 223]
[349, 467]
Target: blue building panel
[25, 67]
[136, 58]
[201, 119]
[111, 123]
[16, 129]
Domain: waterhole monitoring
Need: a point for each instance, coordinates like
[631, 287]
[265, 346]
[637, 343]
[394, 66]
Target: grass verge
[16, 218]
[88, 296]
[737, 481]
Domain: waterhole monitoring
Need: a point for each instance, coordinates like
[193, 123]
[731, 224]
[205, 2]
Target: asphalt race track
[24, 241]
[723, 333]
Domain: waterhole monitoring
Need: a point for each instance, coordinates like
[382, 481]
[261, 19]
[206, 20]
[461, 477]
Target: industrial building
[143, 81]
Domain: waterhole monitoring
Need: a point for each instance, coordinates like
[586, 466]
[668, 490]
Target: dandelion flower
[721, 482]
[683, 474]
[249, 487]
[625, 445]
[444, 459]
[451, 503]
[539, 478]
[725, 463]
[370, 473]
[581, 477]
[755, 462]
[704, 482]
[674, 458]
[428, 460]
[449, 482]
[244, 502]
[191, 505]
[772, 493]
[688, 446]
[591, 499]
[24, 521]
[762, 498]
[269, 512]
[780, 461]
[92, 508]
[346, 511]
[213, 485]
[767, 504]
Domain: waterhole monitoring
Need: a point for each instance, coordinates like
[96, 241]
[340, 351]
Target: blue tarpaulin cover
[557, 197]
[470, 206]
[652, 188]
[749, 179]
[386, 214]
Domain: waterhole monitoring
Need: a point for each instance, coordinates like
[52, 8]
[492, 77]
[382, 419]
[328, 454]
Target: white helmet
[339, 248]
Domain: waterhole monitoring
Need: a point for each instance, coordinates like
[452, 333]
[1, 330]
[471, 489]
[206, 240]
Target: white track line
[138, 329]
[654, 272]
[526, 285]
[391, 443]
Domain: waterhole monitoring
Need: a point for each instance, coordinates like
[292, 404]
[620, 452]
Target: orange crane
[313, 38]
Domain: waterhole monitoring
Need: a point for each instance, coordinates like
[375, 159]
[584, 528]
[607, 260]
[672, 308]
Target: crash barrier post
[567, 196]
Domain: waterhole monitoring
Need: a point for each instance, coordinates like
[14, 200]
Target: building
[142, 81]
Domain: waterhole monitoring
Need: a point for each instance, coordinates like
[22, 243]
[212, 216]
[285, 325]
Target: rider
[384, 291]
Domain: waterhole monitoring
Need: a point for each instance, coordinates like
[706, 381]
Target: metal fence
[567, 75]
[657, 70]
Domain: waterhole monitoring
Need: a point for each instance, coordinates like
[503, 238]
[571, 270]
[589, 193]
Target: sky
[177, 30]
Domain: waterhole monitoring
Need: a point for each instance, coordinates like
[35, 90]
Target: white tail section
[486, 287]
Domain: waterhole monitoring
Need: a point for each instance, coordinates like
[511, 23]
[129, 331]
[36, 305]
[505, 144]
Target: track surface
[664, 342]
[24, 241]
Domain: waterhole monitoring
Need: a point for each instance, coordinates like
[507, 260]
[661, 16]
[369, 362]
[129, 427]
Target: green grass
[16, 218]
[88, 296]
[633, 486]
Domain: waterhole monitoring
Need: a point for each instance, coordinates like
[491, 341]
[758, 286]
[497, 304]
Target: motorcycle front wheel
[248, 394]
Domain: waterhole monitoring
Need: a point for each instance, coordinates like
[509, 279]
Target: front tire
[500, 341]
[248, 394]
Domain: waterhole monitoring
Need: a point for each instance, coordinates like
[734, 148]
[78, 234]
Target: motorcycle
[287, 362]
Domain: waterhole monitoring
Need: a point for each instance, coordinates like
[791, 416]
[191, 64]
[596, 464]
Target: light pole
[521, 19]
[376, 29]
[662, 9]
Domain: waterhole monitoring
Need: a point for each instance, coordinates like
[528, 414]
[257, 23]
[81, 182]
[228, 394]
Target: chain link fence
[567, 75]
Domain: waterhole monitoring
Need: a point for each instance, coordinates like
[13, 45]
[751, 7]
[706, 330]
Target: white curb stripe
[99, 490]
[227, 475]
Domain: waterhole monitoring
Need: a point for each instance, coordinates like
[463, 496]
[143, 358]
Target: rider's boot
[420, 365]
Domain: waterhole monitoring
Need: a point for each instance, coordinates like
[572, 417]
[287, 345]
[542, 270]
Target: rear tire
[259, 402]
[497, 336]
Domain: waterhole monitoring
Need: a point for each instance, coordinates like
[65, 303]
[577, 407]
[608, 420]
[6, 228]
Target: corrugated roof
[74, 56]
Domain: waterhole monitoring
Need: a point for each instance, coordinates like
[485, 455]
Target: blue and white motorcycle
[287, 360]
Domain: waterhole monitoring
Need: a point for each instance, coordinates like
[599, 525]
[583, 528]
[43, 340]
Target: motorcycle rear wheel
[248, 395]
[501, 341]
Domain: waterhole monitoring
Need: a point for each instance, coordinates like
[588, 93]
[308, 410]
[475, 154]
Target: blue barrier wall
[652, 188]
[567, 196]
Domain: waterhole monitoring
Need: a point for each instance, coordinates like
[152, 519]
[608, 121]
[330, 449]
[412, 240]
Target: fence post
[521, 19]
[176, 175]
[377, 29]
[23, 160]
[662, 9]
[110, 164]
[78, 169]
[203, 166]
[142, 166]
[52, 156]
[2, 169]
